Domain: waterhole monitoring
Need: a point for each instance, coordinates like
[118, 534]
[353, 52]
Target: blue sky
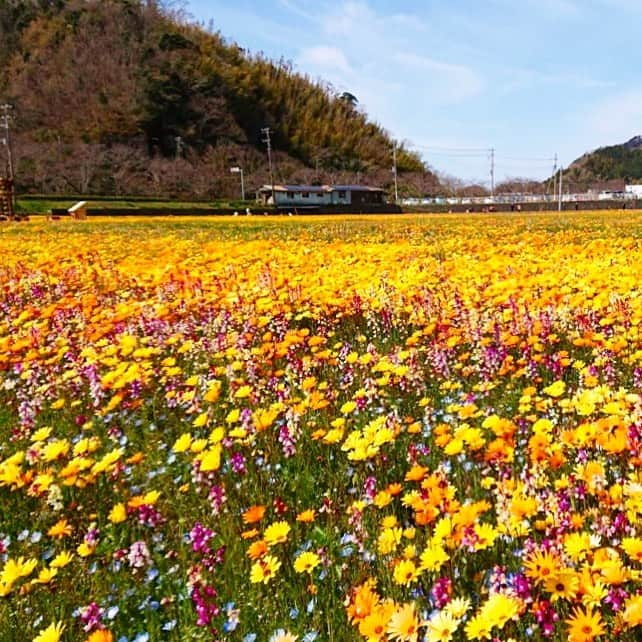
[453, 78]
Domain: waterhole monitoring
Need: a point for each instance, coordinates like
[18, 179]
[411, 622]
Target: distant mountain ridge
[634, 143]
[621, 163]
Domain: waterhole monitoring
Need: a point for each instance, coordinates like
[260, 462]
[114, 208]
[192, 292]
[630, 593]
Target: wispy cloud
[528, 77]
[324, 57]
[454, 82]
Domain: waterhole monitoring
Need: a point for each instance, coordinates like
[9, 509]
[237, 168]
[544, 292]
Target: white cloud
[324, 57]
[450, 82]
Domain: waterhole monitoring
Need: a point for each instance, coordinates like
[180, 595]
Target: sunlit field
[255, 429]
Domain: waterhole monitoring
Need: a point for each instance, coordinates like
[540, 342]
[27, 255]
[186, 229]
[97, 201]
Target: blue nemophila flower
[48, 554]
[152, 574]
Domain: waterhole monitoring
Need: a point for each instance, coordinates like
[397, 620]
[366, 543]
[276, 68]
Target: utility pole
[555, 175]
[266, 132]
[5, 118]
[239, 170]
[394, 169]
[492, 173]
[4, 122]
[559, 203]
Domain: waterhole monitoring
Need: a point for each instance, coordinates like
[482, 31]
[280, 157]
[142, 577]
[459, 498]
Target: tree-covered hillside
[127, 96]
[608, 164]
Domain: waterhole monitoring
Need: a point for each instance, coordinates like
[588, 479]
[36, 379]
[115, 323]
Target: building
[320, 196]
[633, 191]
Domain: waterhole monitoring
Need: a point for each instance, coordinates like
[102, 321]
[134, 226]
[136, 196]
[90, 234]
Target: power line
[481, 154]
[452, 149]
[525, 159]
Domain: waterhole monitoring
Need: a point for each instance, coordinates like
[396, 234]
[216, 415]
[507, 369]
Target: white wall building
[314, 196]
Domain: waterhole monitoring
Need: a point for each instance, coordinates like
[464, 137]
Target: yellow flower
[55, 449]
[264, 569]
[433, 558]
[213, 391]
[45, 576]
[61, 560]
[556, 389]
[41, 434]
[584, 626]
[243, 392]
[210, 459]
[405, 572]
[118, 513]
[388, 540]
[201, 420]
[85, 550]
[458, 607]
[183, 443]
[632, 615]
[562, 585]
[51, 634]
[441, 627]
[348, 407]
[15, 569]
[306, 562]
[478, 628]
[276, 533]
[404, 624]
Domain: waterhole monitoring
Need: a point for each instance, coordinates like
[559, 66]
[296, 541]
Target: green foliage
[127, 72]
[622, 162]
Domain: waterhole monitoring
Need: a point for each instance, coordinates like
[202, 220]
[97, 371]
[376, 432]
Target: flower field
[347, 429]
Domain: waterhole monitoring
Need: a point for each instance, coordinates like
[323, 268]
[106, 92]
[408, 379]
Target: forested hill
[125, 96]
[622, 162]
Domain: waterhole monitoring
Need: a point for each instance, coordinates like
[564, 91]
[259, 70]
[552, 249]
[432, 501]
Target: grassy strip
[28, 205]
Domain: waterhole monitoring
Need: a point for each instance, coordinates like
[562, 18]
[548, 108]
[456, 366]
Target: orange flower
[257, 549]
[101, 635]
[253, 514]
[60, 529]
[364, 601]
[306, 516]
[416, 473]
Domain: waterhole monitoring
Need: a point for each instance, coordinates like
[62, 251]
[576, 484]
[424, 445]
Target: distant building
[315, 196]
[633, 191]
